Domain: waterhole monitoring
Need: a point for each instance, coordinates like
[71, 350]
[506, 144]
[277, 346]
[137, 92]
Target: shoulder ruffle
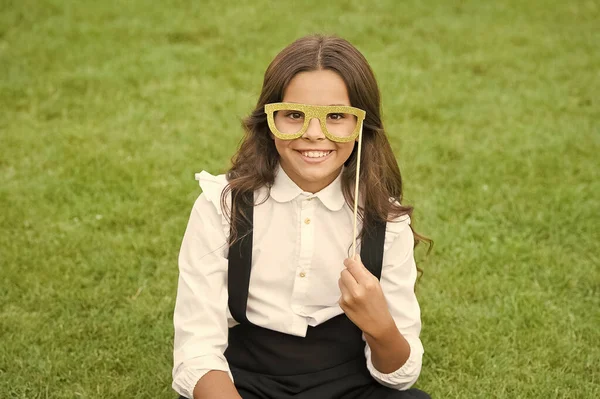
[212, 188]
[393, 229]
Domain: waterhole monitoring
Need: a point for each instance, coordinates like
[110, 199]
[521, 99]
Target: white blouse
[299, 244]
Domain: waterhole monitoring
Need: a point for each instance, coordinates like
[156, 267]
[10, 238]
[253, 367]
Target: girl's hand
[362, 299]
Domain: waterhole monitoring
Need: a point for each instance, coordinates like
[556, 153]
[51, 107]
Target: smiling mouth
[315, 154]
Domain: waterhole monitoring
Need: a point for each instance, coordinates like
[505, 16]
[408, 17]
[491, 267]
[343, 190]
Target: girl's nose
[314, 131]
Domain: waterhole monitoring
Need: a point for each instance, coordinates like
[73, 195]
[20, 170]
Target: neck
[311, 186]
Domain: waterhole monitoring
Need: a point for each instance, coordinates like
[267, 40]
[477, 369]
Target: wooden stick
[356, 190]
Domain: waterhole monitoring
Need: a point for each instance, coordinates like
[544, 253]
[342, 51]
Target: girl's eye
[295, 115]
[336, 117]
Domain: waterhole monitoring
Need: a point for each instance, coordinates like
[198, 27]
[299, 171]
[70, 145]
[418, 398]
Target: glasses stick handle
[356, 190]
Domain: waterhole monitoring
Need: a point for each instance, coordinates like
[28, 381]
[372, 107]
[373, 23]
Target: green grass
[108, 108]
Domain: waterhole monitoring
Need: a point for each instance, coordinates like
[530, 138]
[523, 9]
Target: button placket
[306, 227]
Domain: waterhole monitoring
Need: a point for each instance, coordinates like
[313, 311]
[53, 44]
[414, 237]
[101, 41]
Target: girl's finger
[346, 296]
[343, 288]
[360, 273]
[348, 279]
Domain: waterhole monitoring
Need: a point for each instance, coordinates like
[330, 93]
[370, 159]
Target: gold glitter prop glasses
[339, 123]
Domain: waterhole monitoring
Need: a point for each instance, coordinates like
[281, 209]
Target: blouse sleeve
[398, 276]
[200, 318]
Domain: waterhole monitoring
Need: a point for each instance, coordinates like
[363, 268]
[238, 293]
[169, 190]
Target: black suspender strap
[240, 255]
[371, 251]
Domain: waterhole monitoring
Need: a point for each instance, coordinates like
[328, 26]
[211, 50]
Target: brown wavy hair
[256, 162]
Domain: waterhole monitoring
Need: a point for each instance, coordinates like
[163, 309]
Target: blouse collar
[284, 190]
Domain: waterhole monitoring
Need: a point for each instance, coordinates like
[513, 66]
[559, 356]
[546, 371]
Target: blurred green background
[108, 108]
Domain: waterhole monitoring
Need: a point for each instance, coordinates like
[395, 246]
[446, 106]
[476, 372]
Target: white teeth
[315, 154]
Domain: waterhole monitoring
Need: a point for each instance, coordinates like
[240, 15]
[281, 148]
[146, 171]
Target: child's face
[313, 161]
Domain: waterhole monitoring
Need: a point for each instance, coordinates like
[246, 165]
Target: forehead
[322, 87]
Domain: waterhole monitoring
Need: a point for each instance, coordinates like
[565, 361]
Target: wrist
[389, 349]
[383, 332]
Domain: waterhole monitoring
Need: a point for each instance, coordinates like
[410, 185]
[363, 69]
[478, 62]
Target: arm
[398, 279]
[389, 349]
[216, 385]
[200, 317]
[387, 311]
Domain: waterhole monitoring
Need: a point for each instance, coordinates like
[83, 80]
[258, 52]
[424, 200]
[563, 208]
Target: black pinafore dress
[329, 363]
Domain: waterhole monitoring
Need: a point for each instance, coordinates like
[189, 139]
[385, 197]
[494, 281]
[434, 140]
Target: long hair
[255, 163]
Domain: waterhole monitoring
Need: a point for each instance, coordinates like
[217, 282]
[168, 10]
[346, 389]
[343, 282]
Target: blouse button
[307, 221]
[302, 274]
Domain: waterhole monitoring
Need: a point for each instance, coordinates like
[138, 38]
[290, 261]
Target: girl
[270, 304]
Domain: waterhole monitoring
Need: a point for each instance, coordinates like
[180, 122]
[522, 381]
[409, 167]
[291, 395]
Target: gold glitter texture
[310, 112]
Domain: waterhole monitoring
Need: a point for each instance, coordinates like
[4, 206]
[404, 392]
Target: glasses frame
[311, 112]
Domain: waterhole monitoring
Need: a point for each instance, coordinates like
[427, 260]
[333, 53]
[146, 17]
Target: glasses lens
[289, 121]
[341, 124]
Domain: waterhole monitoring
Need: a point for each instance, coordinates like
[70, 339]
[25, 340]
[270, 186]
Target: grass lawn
[108, 108]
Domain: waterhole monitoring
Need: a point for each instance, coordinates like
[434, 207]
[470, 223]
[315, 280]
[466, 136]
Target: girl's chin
[322, 177]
